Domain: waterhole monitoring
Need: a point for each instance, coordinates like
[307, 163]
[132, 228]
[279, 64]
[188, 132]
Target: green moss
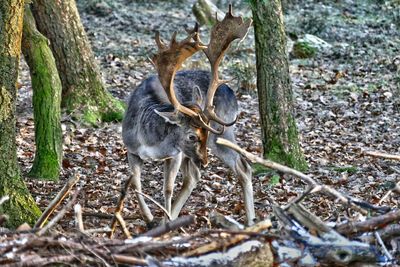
[290, 159]
[303, 50]
[91, 116]
[259, 169]
[5, 106]
[104, 108]
[46, 100]
[45, 166]
[274, 180]
[21, 207]
[294, 157]
[115, 114]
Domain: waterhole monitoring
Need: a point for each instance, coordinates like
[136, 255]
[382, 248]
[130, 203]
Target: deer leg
[243, 172]
[171, 168]
[135, 164]
[241, 169]
[191, 175]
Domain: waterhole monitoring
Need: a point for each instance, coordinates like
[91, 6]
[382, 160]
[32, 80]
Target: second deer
[174, 118]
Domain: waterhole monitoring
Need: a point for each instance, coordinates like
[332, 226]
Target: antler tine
[159, 42]
[230, 10]
[222, 34]
[167, 62]
[194, 30]
[173, 39]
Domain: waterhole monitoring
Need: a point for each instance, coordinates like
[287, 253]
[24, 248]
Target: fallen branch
[372, 224]
[357, 204]
[57, 200]
[120, 205]
[266, 236]
[121, 221]
[101, 215]
[60, 215]
[319, 243]
[383, 246]
[381, 155]
[224, 243]
[171, 226]
[78, 217]
[124, 259]
[390, 232]
[105, 229]
[225, 222]
[42, 261]
[155, 202]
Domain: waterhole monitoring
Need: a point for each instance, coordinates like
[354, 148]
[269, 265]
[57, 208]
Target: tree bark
[279, 130]
[46, 86]
[20, 207]
[83, 92]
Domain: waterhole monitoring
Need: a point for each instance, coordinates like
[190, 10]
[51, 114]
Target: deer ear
[197, 96]
[169, 117]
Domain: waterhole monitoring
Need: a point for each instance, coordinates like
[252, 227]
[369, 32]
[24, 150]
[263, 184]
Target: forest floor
[347, 100]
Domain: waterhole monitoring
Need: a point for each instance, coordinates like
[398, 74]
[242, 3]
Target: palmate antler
[167, 61]
[222, 34]
[170, 58]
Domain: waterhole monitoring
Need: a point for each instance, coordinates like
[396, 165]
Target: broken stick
[359, 205]
[60, 215]
[382, 155]
[215, 245]
[57, 200]
[371, 224]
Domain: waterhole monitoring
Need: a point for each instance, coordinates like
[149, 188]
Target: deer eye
[192, 137]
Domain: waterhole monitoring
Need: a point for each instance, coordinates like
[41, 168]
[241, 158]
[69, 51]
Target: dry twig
[171, 226]
[215, 245]
[120, 205]
[78, 217]
[396, 189]
[124, 259]
[60, 215]
[382, 155]
[121, 221]
[372, 224]
[380, 242]
[357, 204]
[57, 200]
[155, 202]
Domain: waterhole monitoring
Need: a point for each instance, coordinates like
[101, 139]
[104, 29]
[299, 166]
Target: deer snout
[204, 162]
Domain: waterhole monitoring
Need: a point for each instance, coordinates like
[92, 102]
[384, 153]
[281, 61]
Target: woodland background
[347, 101]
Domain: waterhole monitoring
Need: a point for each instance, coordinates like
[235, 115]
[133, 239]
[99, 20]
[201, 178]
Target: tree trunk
[280, 135]
[83, 91]
[46, 86]
[20, 207]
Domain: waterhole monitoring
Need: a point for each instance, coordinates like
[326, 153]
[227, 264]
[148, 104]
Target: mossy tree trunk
[83, 92]
[279, 130]
[46, 86]
[20, 207]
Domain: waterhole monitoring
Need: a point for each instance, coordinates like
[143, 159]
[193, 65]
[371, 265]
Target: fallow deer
[174, 117]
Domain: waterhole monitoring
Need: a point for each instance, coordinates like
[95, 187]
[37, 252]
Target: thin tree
[46, 86]
[279, 130]
[20, 207]
[83, 90]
